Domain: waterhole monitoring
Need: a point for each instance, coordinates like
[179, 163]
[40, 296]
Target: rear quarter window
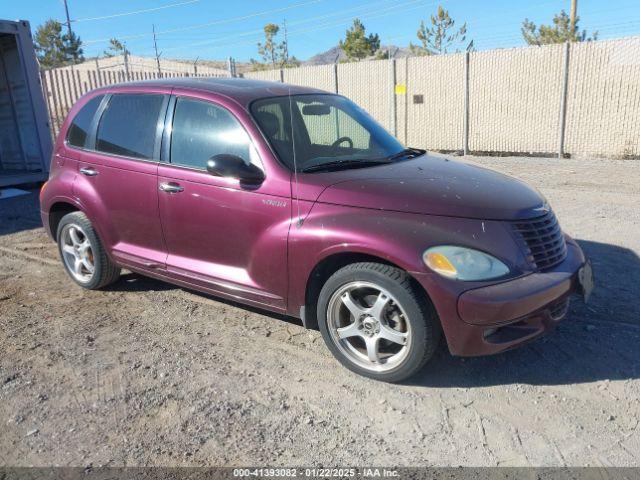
[128, 125]
[81, 123]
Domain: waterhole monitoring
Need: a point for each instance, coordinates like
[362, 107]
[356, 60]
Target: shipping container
[25, 138]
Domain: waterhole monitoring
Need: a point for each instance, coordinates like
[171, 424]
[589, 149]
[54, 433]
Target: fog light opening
[489, 331]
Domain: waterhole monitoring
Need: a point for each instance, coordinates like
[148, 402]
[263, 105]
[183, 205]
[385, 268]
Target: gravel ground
[145, 373]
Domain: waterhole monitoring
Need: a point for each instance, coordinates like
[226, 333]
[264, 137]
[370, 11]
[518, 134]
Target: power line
[245, 33]
[260, 31]
[507, 36]
[136, 12]
[223, 41]
[209, 24]
[378, 13]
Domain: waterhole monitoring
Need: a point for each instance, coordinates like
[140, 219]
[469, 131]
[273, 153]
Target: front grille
[543, 240]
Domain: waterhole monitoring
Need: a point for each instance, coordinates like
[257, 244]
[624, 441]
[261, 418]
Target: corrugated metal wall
[515, 98]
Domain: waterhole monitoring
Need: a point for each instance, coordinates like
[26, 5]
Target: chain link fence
[62, 87]
[578, 99]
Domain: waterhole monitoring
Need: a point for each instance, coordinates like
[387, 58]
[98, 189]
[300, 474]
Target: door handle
[89, 171]
[171, 188]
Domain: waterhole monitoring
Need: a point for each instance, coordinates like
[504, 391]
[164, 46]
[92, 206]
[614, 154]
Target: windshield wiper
[339, 164]
[407, 152]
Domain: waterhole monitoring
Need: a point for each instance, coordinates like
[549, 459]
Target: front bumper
[495, 318]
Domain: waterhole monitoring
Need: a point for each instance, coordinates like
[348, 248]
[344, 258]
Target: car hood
[434, 186]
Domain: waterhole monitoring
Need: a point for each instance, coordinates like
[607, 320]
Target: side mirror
[227, 165]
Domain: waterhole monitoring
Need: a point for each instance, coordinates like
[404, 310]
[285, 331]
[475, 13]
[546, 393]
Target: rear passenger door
[118, 176]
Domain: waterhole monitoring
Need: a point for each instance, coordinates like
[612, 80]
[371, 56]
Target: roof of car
[243, 90]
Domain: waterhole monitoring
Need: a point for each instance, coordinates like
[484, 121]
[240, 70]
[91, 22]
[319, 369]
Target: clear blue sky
[214, 29]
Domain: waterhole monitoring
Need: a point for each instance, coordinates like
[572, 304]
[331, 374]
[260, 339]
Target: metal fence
[578, 99]
[63, 86]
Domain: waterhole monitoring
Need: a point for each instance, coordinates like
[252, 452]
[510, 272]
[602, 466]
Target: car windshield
[327, 132]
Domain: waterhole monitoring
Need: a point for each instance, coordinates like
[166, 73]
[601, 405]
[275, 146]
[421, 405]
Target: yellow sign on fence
[401, 89]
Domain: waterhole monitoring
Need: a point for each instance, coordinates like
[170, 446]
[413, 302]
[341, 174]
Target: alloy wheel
[77, 253]
[369, 326]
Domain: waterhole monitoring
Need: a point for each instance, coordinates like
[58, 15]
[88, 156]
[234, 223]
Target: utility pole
[574, 13]
[155, 47]
[126, 63]
[286, 42]
[69, 31]
[66, 10]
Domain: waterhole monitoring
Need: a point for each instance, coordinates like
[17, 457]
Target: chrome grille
[543, 240]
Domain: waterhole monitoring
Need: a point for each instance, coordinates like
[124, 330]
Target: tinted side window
[202, 130]
[79, 128]
[128, 125]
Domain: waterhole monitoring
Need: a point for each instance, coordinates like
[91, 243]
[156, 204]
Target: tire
[79, 242]
[396, 331]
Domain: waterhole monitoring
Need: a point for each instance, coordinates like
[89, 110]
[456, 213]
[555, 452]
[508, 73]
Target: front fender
[396, 237]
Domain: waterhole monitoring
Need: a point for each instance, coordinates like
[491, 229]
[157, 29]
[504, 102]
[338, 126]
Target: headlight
[463, 263]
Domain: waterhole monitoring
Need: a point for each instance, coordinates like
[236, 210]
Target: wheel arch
[330, 264]
[56, 212]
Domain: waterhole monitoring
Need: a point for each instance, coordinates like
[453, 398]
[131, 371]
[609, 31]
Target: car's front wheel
[82, 253]
[376, 323]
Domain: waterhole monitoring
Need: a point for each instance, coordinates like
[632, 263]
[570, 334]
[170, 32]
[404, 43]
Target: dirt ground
[146, 373]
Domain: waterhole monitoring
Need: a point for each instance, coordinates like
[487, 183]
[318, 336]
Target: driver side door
[221, 235]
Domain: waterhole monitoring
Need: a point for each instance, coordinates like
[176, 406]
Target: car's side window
[202, 129]
[81, 123]
[128, 125]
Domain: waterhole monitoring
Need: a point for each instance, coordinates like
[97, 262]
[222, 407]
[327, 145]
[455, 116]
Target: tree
[257, 66]
[73, 48]
[357, 45]
[440, 36]
[292, 62]
[560, 32]
[274, 54]
[55, 49]
[272, 51]
[116, 47]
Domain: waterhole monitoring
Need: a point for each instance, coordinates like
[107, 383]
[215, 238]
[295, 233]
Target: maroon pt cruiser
[295, 200]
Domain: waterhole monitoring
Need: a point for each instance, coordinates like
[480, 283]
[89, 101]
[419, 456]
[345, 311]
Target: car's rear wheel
[82, 253]
[376, 322]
